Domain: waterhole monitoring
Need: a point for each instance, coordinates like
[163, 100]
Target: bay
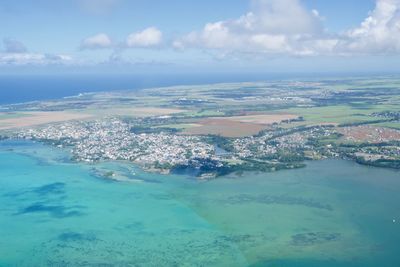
[54, 212]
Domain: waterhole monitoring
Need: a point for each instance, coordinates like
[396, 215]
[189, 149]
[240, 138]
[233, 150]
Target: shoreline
[193, 172]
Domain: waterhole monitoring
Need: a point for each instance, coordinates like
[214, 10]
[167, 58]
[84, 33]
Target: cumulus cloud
[150, 37]
[286, 27]
[271, 26]
[19, 59]
[281, 17]
[97, 41]
[379, 33]
[16, 53]
[13, 46]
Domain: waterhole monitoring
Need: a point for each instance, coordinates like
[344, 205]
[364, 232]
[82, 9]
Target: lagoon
[54, 212]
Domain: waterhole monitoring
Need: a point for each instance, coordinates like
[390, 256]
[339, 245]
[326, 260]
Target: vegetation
[144, 129]
[384, 163]
[201, 167]
[322, 108]
[220, 141]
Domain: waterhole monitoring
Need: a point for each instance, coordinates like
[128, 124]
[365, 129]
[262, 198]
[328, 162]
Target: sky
[180, 36]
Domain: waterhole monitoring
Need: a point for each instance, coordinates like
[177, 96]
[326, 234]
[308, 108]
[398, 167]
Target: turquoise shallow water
[57, 213]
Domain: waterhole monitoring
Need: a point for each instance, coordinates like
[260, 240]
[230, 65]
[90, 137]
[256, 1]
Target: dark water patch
[172, 249]
[309, 239]
[77, 237]
[282, 200]
[139, 226]
[54, 188]
[33, 155]
[237, 238]
[246, 239]
[56, 211]
[45, 190]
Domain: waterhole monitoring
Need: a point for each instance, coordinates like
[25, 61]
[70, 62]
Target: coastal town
[163, 151]
[111, 139]
[216, 129]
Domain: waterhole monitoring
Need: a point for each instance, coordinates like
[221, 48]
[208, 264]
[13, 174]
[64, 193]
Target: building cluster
[273, 142]
[249, 146]
[111, 139]
[115, 139]
[370, 134]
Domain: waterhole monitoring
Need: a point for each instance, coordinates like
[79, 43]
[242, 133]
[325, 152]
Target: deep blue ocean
[24, 88]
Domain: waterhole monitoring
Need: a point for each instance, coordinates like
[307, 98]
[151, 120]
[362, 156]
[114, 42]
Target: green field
[339, 114]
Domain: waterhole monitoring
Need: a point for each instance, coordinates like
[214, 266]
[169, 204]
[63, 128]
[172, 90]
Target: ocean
[55, 212]
[25, 88]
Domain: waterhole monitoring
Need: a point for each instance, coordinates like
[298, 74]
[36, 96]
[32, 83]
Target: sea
[19, 88]
[25, 88]
[55, 212]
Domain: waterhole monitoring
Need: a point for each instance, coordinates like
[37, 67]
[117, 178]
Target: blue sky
[175, 36]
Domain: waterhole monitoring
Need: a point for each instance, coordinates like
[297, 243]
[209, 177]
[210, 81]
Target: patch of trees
[148, 130]
[285, 132]
[286, 156]
[220, 141]
[200, 167]
[363, 145]
[387, 114]
[364, 122]
[289, 157]
[163, 166]
[385, 163]
[323, 141]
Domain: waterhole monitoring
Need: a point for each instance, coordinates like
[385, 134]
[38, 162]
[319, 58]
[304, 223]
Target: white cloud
[271, 26]
[149, 37]
[283, 17]
[34, 59]
[379, 33]
[286, 27]
[97, 41]
[15, 53]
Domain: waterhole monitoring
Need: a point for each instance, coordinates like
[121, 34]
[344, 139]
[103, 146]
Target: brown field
[227, 128]
[369, 134]
[237, 126]
[28, 119]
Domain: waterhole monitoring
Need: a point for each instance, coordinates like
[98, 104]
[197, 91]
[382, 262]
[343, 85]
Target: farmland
[261, 126]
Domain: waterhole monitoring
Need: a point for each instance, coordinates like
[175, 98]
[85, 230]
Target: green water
[57, 213]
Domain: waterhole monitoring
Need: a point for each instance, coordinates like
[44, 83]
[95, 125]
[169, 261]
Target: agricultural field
[224, 127]
[39, 118]
[329, 102]
[262, 125]
[250, 105]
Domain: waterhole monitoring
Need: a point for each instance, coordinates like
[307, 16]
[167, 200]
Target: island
[217, 129]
